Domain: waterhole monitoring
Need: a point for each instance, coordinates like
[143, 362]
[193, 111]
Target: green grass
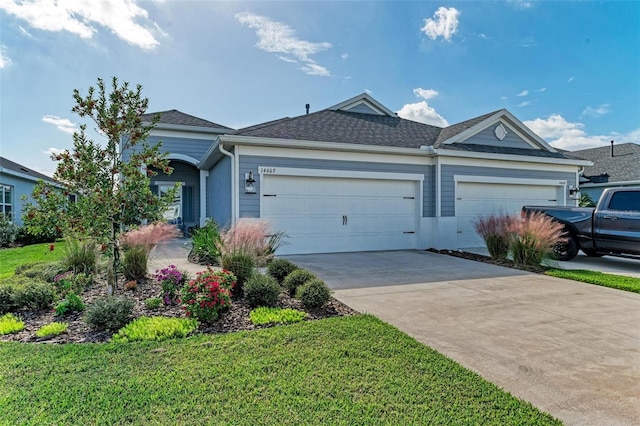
[348, 371]
[619, 282]
[14, 257]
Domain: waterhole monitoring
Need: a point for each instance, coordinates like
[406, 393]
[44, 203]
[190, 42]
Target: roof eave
[192, 129]
[510, 157]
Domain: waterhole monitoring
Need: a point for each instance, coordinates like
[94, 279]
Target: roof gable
[363, 104]
[502, 123]
[22, 171]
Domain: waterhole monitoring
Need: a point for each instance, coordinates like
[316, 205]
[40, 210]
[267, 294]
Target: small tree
[111, 191]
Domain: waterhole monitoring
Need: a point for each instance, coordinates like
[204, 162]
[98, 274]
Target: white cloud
[524, 104]
[521, 4]
[444, 23]
[597, 111]
[63, 124]
[570, 79]
[368, 92]
[344, 56]
[541, 90]
[564, 134]
[523, 93]
[276, 37]
[78, 16]
[422, 113]
[53, 151]
[425, 93]
[5, 61]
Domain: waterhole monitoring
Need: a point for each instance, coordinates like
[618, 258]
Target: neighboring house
[17, 181]
[613, 166]
[356, 177]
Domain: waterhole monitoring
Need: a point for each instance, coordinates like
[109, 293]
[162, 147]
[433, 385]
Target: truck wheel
[566, 250]
[592, 253]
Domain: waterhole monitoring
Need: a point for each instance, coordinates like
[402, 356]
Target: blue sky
[569, 70]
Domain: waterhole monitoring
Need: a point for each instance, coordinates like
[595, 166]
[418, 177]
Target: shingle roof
[454, 129]
[506, 150]
[10, 165]
[348, 127]
[180, 118]
[624, 166]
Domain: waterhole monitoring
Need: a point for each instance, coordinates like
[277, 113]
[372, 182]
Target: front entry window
[6, 201]
[173, 214]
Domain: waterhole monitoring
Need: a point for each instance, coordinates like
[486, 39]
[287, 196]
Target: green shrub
[135, 262]
[262, 290]
[80, 256]
[46, 271]
[110, 313]
[242, 266]
[71, 303]
[69, 282]
[155, 328]
[297, 278]
[7, 300]
[280, 268]
[495, 232]
[314, 293]
[205, 242]
[8, 231]
[28, 236]
[532, 238]
[52, 329]
[267, 315]
[153, 303]
[10, 324]
[37, 296]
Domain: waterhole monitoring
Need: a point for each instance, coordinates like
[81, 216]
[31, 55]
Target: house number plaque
[267, 170]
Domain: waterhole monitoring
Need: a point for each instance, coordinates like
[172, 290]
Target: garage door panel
[321, 214]
[483, 199]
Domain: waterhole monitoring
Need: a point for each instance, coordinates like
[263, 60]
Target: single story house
[614, 166]
[356, 177]
[17, 181]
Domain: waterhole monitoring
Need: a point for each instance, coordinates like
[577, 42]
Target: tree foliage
[110, 181]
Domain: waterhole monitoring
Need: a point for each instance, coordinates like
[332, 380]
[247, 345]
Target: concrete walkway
[570, 349]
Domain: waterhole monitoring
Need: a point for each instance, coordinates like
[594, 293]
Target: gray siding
[219, 192]
[363, 109]
[250, 203]
[488, 138]
[448, 185]
[19, 187]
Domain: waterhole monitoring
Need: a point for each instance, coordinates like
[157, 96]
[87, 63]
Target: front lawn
[348, 370]
[619, 282]
[12, 257]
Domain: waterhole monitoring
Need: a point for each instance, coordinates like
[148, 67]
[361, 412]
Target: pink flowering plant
[207, 296]
[171, 279]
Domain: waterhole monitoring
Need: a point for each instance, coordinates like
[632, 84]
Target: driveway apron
[569, 348]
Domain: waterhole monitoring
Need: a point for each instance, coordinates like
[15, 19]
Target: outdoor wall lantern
[248, 183]
[574, 192]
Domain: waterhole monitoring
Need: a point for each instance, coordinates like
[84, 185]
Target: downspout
[233, 182]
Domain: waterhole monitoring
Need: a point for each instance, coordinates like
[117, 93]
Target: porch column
[203, 196]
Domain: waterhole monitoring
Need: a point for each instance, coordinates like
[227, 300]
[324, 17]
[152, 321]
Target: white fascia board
[366, 99]
[209, 157]
[316, 154]
[167, 133]
[183, 157]
[329, 146]
[188, 129]
[611, 184]
[28, 177]
[350, 174]
[443, 152]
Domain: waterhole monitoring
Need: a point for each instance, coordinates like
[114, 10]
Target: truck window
[625, 201]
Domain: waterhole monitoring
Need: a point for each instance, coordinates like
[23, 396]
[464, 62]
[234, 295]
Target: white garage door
[482, 199]
[324, 215]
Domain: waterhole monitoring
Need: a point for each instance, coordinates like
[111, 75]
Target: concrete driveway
[570, 349]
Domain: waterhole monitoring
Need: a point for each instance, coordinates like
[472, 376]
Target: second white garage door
[324, 215]
[482, 199]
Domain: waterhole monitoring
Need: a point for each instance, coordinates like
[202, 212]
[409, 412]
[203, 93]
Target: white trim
[288, 171]
[182, 157]
[507, 180]
[187, 128]
[183, 134]
[438, 184]
[339, 156]
[234, 193]
[204, 174]
[610, 184]
[510, 157]
[236, 196]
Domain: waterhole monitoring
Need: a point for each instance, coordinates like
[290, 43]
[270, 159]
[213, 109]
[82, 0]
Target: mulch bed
[487, 259]
[236, 318]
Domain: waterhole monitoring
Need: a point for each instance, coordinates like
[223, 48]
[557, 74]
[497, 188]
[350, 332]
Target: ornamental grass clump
[251, 237]
[208, 295]
[171, 280]
[138, 243]
[206, 242]
[494, 230]
[532, 238]
[242, 266]
[80, 256]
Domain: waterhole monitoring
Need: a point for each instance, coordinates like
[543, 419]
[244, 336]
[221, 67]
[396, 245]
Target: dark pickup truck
[612, 227]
